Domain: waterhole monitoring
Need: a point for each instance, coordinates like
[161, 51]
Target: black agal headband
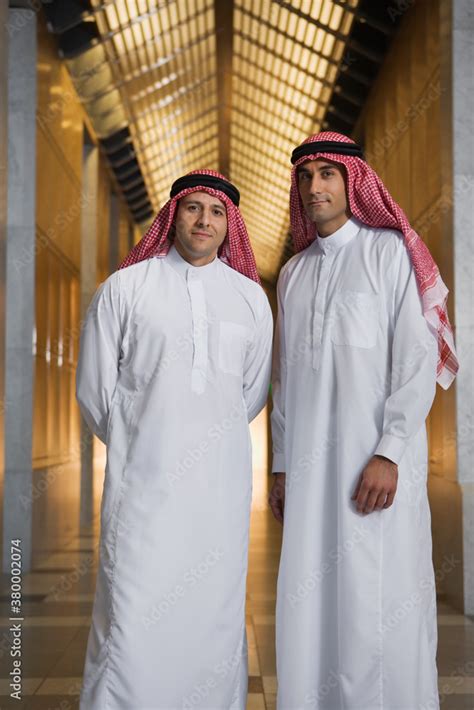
[202, 180]
[338, 147]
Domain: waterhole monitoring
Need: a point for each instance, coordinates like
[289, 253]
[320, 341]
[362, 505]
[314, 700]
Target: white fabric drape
[174, 363]
[354, 375]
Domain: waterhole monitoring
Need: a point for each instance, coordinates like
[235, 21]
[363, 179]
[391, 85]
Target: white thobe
[174, 363]
[354, 376]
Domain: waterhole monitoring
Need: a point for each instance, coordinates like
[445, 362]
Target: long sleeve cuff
[392, 447]
[278, 465]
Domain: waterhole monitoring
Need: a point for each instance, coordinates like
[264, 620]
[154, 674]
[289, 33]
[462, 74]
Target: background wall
[59, 184]
[3, 213]
[401, 130]
[60, 136]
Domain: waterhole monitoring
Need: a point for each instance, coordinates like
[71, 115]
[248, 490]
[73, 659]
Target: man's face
[322, 188]
[200, 227]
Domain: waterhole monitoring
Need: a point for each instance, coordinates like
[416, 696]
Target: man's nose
[315, 186]
[204, 218]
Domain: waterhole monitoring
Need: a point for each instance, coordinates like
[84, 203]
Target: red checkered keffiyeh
[235, 250]
[371, 203]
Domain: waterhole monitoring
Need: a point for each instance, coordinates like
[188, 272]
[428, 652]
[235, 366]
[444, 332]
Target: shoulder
[241, 282]
[120, 289]
[131, 279]
[385, 248]
[136, 273]
[250, 290]
[291, 267]
[293, 261]
[391, 256]
[388, 243]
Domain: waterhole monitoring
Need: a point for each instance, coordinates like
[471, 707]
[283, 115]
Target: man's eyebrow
[302, 169]
[198, 202]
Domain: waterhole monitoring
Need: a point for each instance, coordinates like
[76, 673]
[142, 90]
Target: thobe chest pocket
[232, 346]
[355, 319]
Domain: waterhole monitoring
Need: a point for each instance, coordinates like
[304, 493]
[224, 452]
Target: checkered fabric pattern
[370, 201]
[235, 250]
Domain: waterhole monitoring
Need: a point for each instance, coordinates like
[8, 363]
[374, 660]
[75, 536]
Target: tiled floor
[57, 603]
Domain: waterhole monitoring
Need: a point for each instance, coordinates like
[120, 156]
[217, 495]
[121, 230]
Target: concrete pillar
[457, 151]
[20, 283]
[3, 213]
[88, 287]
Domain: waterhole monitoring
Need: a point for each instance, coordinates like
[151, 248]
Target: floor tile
[69, 598]
[255, 684]
[29, 686]
[457, 702]
[269, 684]
[456, 685]
[454, 620]
[60, 686]
[264, 620]
[58, 604]
[56, 620]
[455, 650]
[253, 662]
[255, 701]
[52, 702]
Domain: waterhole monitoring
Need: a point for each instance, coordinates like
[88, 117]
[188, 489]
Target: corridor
[58, 596]
[104, 106]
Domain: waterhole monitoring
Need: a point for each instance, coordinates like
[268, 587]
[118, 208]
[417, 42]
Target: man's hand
[377, 485]
[277, 496]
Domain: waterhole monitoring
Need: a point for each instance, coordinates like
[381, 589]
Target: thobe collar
[340, 237]
[187, 270]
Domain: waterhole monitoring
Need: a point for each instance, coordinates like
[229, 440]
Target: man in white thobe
[362, 334]
[174, 363]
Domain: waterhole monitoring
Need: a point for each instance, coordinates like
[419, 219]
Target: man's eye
[192, 207]
[218, 213]
[328, 173]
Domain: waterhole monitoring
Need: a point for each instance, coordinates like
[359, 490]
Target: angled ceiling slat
[202, 86]
[286, 59]
[166, 57]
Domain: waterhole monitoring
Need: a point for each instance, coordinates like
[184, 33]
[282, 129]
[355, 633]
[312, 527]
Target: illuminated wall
[60, 120]
[401, 130]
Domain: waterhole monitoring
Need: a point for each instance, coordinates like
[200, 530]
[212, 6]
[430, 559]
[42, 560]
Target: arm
[412, 390]
[99, 354]
[258, 363]
[276, 498]
[279, 386]
[414, 359]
